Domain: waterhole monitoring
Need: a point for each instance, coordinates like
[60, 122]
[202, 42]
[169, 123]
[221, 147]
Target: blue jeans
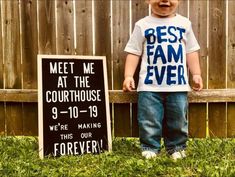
[163, 115]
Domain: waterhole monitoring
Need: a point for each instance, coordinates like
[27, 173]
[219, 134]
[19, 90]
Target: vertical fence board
[198, 16]
[14, 119]
[198, 112]
[1, 53]
[231, 120]
[121, 24]
[217, 65]
[30, 119]
[183, 8]
[231, 67]
[217, 41]
[29, 62]
[46, 38]
[2, 119]
[29, 43]
[102, 29]
[65, 27]
[135, 127]
[231, 44]
[12, 64]
[2, 108]
[197, 120]
[83, 27]
[11, 44]
[102, 20]
[217, 121]
[46, 31]
[122, 120]
[139, 10]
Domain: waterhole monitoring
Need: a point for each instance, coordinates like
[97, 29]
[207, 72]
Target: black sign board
[73, 104]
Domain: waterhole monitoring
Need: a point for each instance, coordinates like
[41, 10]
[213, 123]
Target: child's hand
[128, 84]
[197, 83]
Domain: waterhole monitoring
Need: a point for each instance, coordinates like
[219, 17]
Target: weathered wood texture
[65, 27]
[84, 30]
[121, 29]
[1, 56]
[120, 97]
[183, 8]
[231, 67]
[46, 27]
[11, 52]
[139, 10]
[197, 100]
[2, 108]
[198, 112]
[217, 65]
[103, 27]
[29, 47]
[102, 39]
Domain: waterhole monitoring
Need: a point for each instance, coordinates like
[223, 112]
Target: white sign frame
[40, 95]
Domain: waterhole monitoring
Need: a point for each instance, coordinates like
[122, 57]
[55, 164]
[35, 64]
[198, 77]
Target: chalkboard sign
[73, 104]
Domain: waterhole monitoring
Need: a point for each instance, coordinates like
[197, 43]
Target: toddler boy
[167, 47]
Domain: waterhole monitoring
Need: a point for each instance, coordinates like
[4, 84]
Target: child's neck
[159, 16]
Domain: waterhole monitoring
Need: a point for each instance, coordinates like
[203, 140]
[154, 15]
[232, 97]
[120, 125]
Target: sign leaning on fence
[73, 105]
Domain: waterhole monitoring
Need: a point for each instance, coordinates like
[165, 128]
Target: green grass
[206, 157]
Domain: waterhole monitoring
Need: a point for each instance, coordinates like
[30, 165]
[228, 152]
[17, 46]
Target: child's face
[163, 8]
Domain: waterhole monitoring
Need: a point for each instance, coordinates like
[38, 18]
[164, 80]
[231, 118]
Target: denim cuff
[144, 148]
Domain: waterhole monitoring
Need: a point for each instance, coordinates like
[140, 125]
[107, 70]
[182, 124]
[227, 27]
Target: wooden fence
[102, 27]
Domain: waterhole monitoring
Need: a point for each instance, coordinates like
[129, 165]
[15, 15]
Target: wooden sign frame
[73, 74]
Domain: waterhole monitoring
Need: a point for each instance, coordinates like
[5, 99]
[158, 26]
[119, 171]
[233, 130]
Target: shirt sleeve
[192, 43]
[135, 43]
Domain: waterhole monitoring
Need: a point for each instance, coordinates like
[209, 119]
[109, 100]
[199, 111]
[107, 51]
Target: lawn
[206, 157]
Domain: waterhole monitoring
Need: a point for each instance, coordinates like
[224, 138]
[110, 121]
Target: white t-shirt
[162, 44]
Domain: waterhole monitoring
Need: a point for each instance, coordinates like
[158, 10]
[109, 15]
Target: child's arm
[130, 67]
[194, 68]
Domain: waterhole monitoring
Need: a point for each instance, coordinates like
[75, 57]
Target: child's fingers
[128, 84]
[127, 88]
[132, 84]
[198, 85]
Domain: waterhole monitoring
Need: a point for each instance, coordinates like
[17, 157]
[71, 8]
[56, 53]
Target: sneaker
[178, 155]
[149, 154]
